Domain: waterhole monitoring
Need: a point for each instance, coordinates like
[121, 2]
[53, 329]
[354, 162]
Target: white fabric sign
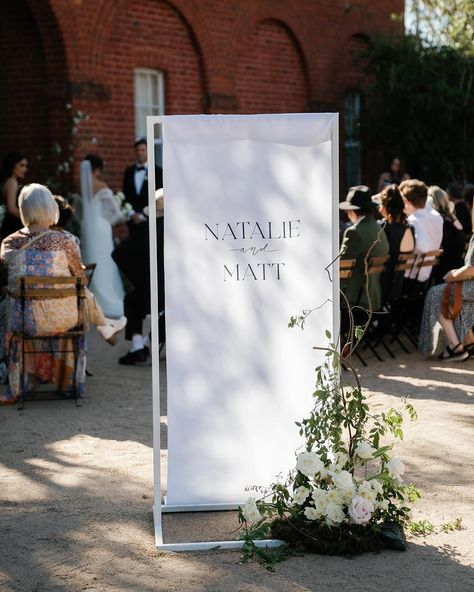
[249, 230]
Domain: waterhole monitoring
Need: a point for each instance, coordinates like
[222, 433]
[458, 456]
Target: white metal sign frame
[160, 508]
